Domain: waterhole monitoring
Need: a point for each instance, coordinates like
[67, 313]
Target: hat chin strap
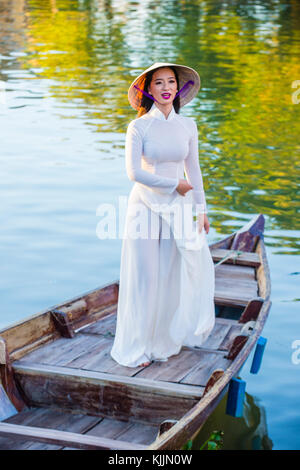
[190, 82]
[145, 93]
[185, 87]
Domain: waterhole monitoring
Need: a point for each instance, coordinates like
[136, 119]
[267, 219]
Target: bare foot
[144, 364]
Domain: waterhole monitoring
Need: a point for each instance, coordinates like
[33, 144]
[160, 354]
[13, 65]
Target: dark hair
[146, 103]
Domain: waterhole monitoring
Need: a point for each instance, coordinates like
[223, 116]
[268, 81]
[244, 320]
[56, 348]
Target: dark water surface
[65, 68]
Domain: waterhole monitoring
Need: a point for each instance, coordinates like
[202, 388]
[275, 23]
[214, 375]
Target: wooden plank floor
[90, 350]
[96, 426]
[183, 376]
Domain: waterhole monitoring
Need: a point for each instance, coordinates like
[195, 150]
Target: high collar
[158, 114]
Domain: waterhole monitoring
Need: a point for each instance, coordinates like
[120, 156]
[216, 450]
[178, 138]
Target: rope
[234, 254]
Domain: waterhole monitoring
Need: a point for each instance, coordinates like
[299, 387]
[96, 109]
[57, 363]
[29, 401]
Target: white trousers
[166, 291]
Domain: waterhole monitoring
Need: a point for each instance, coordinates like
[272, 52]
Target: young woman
[166, 292]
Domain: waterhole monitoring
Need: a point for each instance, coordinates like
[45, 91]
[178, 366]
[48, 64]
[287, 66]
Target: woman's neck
[165, 108]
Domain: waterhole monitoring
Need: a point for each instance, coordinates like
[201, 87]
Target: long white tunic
[166, 291]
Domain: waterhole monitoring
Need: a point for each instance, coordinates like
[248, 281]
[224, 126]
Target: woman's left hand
[203, 221]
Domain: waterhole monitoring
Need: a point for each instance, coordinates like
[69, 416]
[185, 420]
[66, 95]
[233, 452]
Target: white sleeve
[193, 172]
[133, 157]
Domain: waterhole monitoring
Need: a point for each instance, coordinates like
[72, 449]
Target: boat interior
[67, 381]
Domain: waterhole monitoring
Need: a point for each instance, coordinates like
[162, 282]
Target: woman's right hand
[183, 187]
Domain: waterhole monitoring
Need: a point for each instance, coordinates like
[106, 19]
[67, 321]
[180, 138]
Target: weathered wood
[91, 357]
[234, 331]
[235, 271]
[263, 272]
[207, 364]
[252, 310]
[103, 362]
[246, 238]
[228, 296]
[192, 421]
[64, 438]
[217, 335]
[232, 290]
[175, 369]
[237, 344]
[61, 350]
[110, 428]
[106, 326]
[90, 306]
[29, 333]
[103, 297]
[225, 243]
[139, 433]
[105, 395]
[76, 310]
[7, 379]
[166, 425]
[235, 291]
[215, 376]
[51, 419]
[241, 286]
[62, 323]
[243, 259]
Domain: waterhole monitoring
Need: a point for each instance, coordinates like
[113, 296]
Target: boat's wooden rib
[246, 238]
[237, 345]
[59, 361]
[252, 310]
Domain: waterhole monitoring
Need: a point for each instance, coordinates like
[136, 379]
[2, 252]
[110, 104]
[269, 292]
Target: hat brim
[184, 75]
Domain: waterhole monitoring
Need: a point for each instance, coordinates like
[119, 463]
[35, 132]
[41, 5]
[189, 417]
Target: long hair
[146, 103]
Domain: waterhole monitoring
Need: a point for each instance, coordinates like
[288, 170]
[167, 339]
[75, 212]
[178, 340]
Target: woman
[166, 292]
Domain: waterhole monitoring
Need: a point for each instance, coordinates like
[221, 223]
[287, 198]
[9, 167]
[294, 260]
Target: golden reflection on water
[247, 56]
[249, 432]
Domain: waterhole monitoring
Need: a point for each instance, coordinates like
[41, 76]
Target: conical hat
[184, 75]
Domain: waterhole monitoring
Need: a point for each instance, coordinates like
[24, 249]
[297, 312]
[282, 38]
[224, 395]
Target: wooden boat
[60, 388]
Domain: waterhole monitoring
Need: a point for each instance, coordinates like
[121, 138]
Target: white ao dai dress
[166, 290]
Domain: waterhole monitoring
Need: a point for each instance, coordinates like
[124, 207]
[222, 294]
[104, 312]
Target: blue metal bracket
[258, 355]
[235, 398]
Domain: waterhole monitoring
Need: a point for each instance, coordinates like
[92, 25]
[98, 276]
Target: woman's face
[163, 86]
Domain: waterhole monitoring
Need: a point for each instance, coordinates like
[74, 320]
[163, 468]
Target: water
[65, 70]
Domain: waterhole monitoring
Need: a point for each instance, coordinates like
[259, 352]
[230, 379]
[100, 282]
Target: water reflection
[249, 432]
[65, 68]
[85, 54]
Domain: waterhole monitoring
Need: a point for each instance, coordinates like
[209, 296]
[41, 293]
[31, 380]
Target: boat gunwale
[193, 420]
[48, 310]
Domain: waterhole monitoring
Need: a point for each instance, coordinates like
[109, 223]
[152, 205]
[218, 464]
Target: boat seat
[55, 429]
[102, 394]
